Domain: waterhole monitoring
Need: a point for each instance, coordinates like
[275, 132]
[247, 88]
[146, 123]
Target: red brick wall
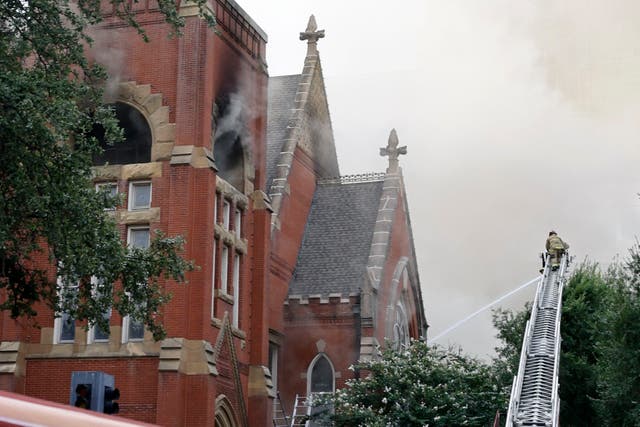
[306, 324]
[137, 379]
[286, 241]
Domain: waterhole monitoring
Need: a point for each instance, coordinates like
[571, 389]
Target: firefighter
[556, 248]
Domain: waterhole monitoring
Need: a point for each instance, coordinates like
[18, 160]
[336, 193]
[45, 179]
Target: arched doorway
[224, 413]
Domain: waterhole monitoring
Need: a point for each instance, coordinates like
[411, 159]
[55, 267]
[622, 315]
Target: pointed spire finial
[393, 151]
[312, 35]
[311, 25]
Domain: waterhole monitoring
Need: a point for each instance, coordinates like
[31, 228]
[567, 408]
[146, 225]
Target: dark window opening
[230, 134]
[136, 146]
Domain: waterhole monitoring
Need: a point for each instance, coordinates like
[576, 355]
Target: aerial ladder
[534, 394]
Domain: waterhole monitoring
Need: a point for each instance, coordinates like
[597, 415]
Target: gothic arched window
[401, 335]
[321, 375]
[136, 145]
[397, 319]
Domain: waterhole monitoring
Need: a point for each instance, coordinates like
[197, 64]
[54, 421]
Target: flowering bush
[419, 386]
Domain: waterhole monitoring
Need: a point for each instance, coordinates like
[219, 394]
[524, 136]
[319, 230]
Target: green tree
[618, 374]
[585, 301]
[510, 326]
[599, 364]
[420, 386]
[50, 97]
[584, 306]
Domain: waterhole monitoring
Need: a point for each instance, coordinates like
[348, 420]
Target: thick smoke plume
[519, 117]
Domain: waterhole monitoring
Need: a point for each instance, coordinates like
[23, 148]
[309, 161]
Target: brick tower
[301, 272]
[194, 113]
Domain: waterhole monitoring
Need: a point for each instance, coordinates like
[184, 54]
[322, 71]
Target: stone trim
[369, 349]
[197, 157]
[190, 8]
[261, 201]
[170, 354]
[92, 351]
[145, 216]
[228, 191]
[346, 320]
[261, 382]
[224, 296]
[12, 358]
[81, 348]
[190, 357]
[355, 178]
[382, 229]
[239, 244]
[151, 106]
[333, 298]
[128, 172]
[225, 414]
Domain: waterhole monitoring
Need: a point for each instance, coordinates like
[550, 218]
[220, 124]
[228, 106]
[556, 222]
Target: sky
[519, 118]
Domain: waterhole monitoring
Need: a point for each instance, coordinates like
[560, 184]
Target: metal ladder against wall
[534, 394]
[301, 412]
[280, 418]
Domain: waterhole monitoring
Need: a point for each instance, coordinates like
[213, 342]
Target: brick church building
[302, 272]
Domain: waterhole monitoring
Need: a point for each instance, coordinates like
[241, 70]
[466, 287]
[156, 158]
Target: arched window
[397, 331]
[136, 146]
[320, 378]
[401, 335]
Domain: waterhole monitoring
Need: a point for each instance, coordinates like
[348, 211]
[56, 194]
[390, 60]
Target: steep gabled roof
[307, 127]
[337, 240]
[282, 92]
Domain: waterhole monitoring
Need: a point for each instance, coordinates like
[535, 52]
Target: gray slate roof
[281, 97]
[337, 239]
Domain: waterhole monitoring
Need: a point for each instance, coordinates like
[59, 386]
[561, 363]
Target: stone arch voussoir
[151, 106]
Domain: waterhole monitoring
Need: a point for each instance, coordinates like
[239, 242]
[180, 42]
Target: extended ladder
[534, 394]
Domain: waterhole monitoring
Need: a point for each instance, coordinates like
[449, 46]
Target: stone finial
[393, 151]
[312, 35]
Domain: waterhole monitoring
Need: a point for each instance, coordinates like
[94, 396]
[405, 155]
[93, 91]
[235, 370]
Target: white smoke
[519, 117]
